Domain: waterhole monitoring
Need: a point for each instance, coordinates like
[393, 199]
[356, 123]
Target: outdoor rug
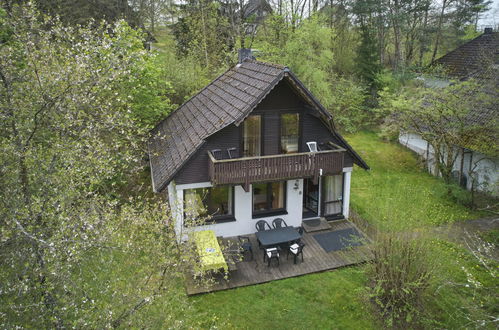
[339, 240]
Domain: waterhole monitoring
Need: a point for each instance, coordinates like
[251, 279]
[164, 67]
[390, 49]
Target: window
[215, 203]
[269, 198]
[252, 142]
[290, 132]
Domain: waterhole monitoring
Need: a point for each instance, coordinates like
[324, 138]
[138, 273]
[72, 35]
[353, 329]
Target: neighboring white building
[474, 59]
[470, 168]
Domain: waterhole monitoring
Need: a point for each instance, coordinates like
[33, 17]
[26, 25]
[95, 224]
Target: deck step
[313, 225]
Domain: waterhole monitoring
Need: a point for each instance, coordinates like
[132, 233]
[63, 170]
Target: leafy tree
[74, 251]
[202, 33]
[441, 117]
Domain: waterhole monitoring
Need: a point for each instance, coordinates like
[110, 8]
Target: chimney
[244, 54]
[488, 30]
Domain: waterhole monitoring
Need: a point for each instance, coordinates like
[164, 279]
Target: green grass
[317, 301]
[397, 193]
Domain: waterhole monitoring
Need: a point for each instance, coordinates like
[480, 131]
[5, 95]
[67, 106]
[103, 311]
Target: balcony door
[252, 136]
[332, 195]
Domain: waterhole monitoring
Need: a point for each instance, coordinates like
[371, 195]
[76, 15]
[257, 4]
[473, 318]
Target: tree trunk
[395, 18]
[439, 30]
[423, 37]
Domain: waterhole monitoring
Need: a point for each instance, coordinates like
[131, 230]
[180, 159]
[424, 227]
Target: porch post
[346, 191]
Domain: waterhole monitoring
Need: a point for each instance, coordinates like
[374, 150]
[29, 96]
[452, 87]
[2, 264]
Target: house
[253, 144]
[477, 166]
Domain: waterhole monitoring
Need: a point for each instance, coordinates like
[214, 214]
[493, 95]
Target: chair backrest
[262, 225]
[312, 146]
[301, 245]
[232, 153]
[217, 153]
[279, 223]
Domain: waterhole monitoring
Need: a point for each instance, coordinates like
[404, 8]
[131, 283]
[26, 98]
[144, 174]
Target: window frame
[216, 218]
[269, 212]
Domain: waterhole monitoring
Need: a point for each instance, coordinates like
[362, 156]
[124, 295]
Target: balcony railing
[248, 170]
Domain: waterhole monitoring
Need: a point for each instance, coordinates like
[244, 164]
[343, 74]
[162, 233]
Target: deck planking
[255, 271]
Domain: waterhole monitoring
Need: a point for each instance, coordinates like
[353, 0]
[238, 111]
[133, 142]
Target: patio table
[277, 236]
[209, 251]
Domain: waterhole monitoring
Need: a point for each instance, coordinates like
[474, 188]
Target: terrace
[316, 259]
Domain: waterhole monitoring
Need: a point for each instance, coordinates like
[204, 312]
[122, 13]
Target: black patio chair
[279, 223]
[245, 245]
[271, 254]
[262, 225]
[232, 153]
[296, 249]
[217, 154]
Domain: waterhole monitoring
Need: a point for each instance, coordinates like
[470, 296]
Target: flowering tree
[75, 252]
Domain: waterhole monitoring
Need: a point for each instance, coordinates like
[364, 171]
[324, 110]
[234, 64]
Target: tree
[441, 117]
[78, 248]
[203, 33]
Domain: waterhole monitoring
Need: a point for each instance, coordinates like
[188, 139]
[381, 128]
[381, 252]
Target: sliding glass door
[252, 134]
[332, 195]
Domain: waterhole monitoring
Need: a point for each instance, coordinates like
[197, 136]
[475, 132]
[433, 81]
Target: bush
[400, 274]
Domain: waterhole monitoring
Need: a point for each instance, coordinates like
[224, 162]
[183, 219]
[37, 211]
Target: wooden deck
[255, 271]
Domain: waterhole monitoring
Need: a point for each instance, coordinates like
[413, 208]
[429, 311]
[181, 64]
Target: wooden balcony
[247, 170]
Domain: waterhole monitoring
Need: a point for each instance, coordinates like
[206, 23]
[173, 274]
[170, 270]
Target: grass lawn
[397, 193]
[324, 300]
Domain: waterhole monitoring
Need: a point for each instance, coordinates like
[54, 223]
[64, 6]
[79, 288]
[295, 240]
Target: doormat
[339, 240]
[313, 222]
[315, 225]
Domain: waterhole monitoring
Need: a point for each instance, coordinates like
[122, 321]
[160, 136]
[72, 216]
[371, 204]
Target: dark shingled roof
[479, 59]
[227, 100]
[473, 57]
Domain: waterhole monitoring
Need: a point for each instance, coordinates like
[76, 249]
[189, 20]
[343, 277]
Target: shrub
[400, 274]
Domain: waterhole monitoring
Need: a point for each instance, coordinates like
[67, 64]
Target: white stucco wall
[244, 223]
[486, 168]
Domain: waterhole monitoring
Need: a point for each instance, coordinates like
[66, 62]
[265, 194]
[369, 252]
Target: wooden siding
[314, 129]
[196, 169]
[281, 100]
[281, 97]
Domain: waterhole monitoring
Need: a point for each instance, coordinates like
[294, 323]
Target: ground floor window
[332, 189]
[211, 204]
[269, 198]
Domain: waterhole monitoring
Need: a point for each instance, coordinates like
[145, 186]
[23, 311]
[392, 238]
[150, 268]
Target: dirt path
[467, 233]
[456, 230]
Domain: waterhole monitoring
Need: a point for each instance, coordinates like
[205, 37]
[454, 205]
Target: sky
[490, 18]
